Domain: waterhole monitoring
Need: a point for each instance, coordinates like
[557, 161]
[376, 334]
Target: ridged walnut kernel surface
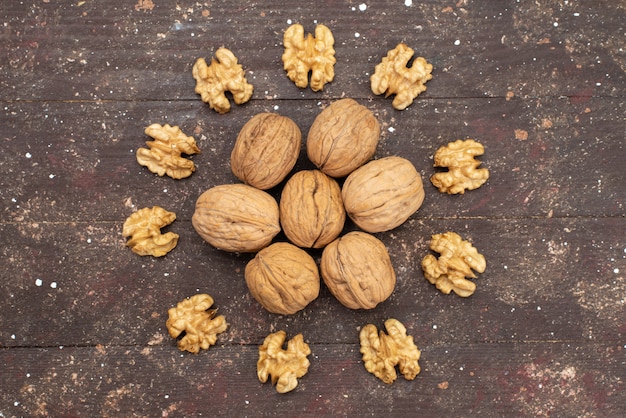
[456, 260]
[266, 150]
[383, 352]
[357, 270]
[284, 366]
[311, 54]
[144, 229]
[283, 278]
[343, 137]
[392, 76]
[311, 210]
[463, 172]
[383, 193]
[224, 74]
[163, 155]
[198, 323]
[236, 217]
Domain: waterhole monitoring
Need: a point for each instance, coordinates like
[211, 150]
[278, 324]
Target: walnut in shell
[266, 150]
[343, 137]
[383, 193]
[283, 278]
[236, 218]
[311, 209]
[357, 270]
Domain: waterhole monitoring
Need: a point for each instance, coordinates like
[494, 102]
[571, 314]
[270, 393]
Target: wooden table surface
[541, 84]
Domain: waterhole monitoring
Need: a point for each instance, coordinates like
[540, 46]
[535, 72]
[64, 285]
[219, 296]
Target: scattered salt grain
[408, 3]
[362, 7]
[357, 34]
[38, 282]
[457, 42]
[28, 155]
[53, 285]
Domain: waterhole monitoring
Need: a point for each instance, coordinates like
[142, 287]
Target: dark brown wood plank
[71, 51]
[547, 280]
[569, 379]
[547, 157]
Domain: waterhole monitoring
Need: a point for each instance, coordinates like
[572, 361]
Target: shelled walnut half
[456, 260]
[383, 352]
[198, 324]
[311, 54]
[463, 172]
[144, 230]
[392, 76]
[222, 75]
[163, 155]
[284, 366]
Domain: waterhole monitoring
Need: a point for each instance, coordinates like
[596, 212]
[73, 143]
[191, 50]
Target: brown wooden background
[82, 319]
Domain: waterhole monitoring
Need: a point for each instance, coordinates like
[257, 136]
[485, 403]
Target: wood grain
[540, 84]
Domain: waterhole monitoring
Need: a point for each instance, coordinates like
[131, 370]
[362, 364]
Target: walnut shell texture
[383, 194]
[266, 150]
[311, 209]
[283, 278]
[357, 270]
[343, 137]
[236, 218]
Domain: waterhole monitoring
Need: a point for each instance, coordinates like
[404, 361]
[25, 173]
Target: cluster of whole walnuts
[348, 183]
[377, 195]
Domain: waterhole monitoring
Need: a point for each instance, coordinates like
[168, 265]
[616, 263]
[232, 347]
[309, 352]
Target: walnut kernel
[311, 54]
[222, 75]
[463, 172]
[283, 278]
[357, 270]
[163, 155]
[199, 324]
[266, 150]
[343, 137]
[383, 352]
[284, 366]
[144, 229]
[456, 260]
[383, 193]
[392, 76]
[236, 218]
[311, 210]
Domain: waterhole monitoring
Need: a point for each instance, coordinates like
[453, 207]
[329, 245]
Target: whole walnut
[266, 150]
[311, 209]
[382, 194]
[283, 278]
[236, 218]
[357, 270]
[343, 137]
